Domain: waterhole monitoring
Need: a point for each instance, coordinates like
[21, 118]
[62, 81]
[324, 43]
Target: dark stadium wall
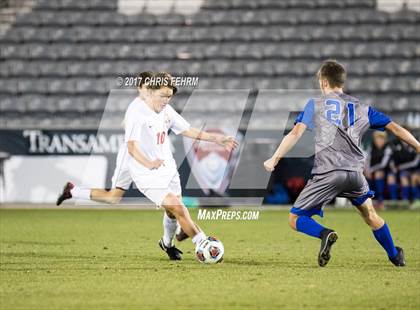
[78, 149]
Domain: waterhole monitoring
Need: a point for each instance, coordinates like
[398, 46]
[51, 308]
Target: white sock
[198, 238]
[80, 193]
[178, 228]
[169, 229]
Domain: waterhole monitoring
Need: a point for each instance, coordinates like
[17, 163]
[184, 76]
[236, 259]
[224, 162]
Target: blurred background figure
[392, 168]
[378, 166]
[405, 167]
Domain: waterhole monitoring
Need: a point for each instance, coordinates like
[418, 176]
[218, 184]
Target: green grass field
[109, 259]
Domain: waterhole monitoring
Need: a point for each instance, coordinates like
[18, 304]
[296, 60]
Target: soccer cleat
[398, 260]
[328, 238]
[65, 194]
[181, 235]
[173, 252]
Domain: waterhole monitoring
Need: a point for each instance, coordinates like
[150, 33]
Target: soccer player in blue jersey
[339, 122]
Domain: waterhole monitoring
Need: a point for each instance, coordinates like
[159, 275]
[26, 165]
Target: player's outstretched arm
[285, 146]
[226, 141]
[404, 135]
[134, 151]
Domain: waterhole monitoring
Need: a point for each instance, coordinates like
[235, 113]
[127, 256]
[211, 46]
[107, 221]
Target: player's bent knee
[379, 174]
[369, 215]
[114, 200]
[373, 219]
[173, 204]
[176, 210]
[114, 196]
[170, 215]
[405, 181]
[171, 199]
[292, 220]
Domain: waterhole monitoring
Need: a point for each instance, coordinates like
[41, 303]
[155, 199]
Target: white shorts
[122, 178]
[156, 184]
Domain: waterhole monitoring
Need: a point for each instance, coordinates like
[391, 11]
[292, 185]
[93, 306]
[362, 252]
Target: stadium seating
[64, 56]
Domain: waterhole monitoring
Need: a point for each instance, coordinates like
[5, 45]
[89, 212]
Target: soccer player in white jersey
[151, 164]
[121, 180]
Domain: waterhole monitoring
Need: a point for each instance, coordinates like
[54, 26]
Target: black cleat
[65, 194]
[181, 236]
[398, 260]
[328, 238]
[173, 252]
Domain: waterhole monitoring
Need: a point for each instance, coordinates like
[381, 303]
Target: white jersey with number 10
[150, 130]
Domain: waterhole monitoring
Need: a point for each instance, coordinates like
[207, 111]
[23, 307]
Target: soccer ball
[210, 251]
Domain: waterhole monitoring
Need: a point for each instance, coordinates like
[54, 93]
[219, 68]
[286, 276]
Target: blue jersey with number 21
[339, 122]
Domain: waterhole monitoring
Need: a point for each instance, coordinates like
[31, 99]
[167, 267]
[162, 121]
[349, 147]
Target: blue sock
[383, 236]
[393, 190]
[415, 192]
[406, 192]
[380, 188]
[307, 225]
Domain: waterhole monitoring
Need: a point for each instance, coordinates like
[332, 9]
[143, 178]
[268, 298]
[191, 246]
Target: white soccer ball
[210, 251]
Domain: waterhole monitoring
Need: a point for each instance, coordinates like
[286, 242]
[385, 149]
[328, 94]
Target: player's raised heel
[173, 252]
[65, 194]
[328, 238]
[398, 260]
[181, 235]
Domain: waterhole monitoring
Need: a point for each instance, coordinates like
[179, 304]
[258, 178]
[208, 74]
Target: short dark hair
[160, 80]
[143, 77]
[333, 72]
